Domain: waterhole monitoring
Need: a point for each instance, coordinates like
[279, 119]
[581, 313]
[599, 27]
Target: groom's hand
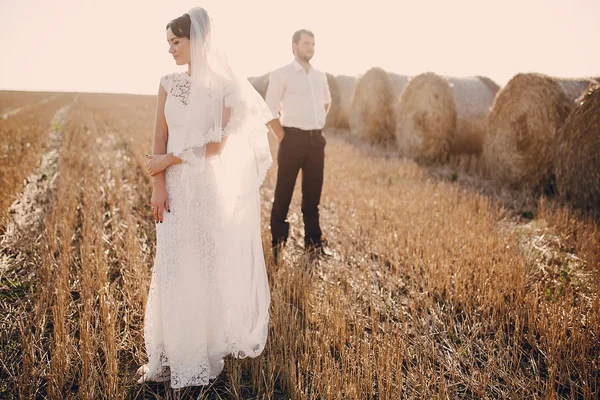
[277, 129]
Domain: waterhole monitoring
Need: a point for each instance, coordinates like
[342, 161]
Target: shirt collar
[298, 67]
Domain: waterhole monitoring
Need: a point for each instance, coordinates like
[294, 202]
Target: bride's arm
[161, 130]
[159, 200]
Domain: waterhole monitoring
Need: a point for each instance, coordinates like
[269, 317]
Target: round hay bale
[436, 116]
[335, 110]
[260, 83]
[371, 113]
[593, 83]
[493, 86]
[345, 86]
[398, 82]
[520, 137]
[425, 118]
[577, 157]
[473, 98]
[574, 88]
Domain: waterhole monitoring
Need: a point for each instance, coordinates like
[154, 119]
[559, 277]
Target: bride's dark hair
[181, 26]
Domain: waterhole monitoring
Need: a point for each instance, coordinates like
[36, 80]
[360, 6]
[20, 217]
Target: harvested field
[433, 291]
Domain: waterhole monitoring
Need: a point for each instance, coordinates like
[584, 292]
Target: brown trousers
[299, 150]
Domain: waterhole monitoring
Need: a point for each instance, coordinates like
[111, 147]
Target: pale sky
[120, 46]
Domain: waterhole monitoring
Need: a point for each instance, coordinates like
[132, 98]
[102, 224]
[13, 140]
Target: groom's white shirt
[297, 97]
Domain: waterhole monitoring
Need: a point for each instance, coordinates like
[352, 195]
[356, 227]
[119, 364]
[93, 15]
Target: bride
[209, 295]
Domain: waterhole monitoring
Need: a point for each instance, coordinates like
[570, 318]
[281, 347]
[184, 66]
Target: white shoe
[164, 376]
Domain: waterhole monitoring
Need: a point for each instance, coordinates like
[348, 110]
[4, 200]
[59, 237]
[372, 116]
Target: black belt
[312, 132]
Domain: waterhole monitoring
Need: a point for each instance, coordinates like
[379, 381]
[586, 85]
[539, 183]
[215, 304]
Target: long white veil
[240, 116]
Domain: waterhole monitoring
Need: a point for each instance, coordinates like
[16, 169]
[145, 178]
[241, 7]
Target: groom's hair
[297, 34]
[180, 26]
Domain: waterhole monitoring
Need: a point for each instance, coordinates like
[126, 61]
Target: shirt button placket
[312, 100]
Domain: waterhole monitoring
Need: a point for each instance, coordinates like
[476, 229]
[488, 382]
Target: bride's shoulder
[170, 76]
[167, 80]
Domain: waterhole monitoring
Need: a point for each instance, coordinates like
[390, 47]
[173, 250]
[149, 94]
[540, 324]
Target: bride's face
[179, 47]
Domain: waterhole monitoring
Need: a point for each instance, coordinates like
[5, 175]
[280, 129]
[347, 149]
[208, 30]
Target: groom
[298, 96]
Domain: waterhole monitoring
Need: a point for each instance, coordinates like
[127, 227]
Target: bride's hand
[157, 163]
[159, 202]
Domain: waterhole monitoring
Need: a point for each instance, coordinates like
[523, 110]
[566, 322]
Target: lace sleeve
[193, 150]
[165, 82]
[191, 155]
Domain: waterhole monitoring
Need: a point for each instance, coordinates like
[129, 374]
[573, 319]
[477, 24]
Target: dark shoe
[317, 250]
[325, 252]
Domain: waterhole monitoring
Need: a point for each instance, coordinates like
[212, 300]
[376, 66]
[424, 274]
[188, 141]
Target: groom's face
[305, 48]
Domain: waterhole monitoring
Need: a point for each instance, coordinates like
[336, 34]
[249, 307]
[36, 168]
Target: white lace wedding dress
[193, 301]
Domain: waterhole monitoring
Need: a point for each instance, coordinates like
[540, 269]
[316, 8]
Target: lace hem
[206, 367]
[194, 154]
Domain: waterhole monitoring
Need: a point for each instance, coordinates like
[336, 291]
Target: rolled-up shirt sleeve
[275, 93]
